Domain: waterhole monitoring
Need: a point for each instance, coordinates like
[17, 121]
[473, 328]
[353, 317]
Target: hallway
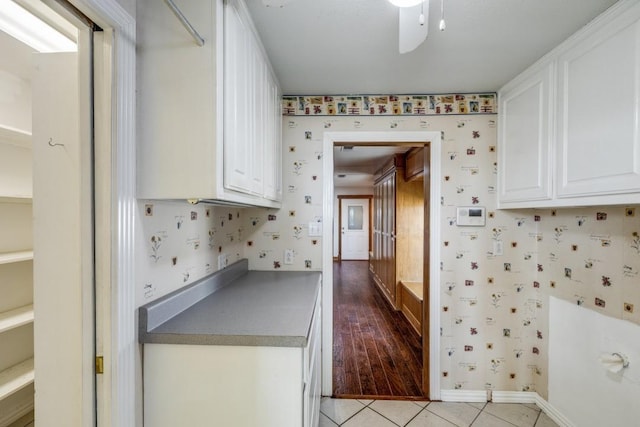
[376, 353]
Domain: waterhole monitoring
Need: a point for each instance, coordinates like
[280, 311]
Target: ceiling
[331, 47]
[338, 47]
[15, 57]
[328, 47]
[355, 167]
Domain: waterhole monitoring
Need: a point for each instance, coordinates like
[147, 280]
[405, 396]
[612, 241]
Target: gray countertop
[255, 308]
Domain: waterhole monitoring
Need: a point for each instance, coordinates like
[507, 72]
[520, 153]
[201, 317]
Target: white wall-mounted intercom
[470, 216]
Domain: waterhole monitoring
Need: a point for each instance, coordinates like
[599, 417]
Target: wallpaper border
[390, 105]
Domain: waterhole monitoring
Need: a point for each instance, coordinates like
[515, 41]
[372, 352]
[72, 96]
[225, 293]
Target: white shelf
[11, 257]
[15, 318]
[26, 199]
[15, 136]
[16, 378]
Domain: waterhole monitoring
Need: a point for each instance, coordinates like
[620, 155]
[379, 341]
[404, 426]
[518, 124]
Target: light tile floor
[395, 413]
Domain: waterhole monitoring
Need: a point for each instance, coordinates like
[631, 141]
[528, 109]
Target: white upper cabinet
[570, 125]
[252, 110]
[598, 135]
[273, 147]
[524, 137]
[203, 110]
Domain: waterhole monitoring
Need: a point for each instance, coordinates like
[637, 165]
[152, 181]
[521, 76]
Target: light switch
[498, 248]
[315, 229]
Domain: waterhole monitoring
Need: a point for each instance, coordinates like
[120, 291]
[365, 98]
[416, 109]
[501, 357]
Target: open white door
[354, 240]
[63, 240]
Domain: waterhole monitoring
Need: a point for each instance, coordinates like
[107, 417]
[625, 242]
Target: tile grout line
[522, 405]
[478, 414]
[391, 421]
[416, 415]
[440, 416]
[494, 415]
[537, 418]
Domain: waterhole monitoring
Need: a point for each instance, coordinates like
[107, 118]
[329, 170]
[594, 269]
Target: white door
[63, 238]
[355, 229]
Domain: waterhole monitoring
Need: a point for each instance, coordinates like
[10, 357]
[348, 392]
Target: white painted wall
[579, 386]
[15, 83]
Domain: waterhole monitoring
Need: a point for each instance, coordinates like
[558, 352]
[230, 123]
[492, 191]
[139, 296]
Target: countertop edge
[227, 340]
[168, 308]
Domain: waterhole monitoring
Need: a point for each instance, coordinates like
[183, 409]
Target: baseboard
[514, 397]
[17, 413]
[463, 395]
[471, 396]
[553, 413]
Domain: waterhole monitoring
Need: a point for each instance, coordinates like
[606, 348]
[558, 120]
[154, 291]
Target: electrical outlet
[223, 261]
[497, 247]
[288, 256]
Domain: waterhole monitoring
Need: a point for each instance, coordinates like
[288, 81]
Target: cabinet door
[598, 130]
[273, 145]
[391, 273]
[238, 120]
[524, 140]
[257, 101]
[414, 162]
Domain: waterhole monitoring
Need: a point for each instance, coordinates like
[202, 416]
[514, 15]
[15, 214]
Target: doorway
[354, 236]
[50, 109]
[431, 320]
[106, 63]
[378, 305]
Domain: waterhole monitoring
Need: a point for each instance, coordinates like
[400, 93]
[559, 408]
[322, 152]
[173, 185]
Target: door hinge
[99, 365]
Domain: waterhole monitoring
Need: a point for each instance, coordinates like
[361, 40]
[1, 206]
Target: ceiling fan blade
[275, 3]
[411, 32]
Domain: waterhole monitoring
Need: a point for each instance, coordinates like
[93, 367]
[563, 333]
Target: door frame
[431, 315]
[358, 196]
[117, 397]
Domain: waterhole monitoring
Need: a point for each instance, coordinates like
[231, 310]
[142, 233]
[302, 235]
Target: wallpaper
[179, 243]
[494, 307]
[591, 258]
[488, 314]
[494, 312]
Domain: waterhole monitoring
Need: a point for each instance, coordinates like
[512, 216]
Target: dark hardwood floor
[376, 353]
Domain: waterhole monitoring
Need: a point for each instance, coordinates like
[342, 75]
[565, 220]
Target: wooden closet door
[391, 273]
[387, 236]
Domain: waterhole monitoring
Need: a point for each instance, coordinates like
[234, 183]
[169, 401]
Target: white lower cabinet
[569, 130]
[240, 386]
